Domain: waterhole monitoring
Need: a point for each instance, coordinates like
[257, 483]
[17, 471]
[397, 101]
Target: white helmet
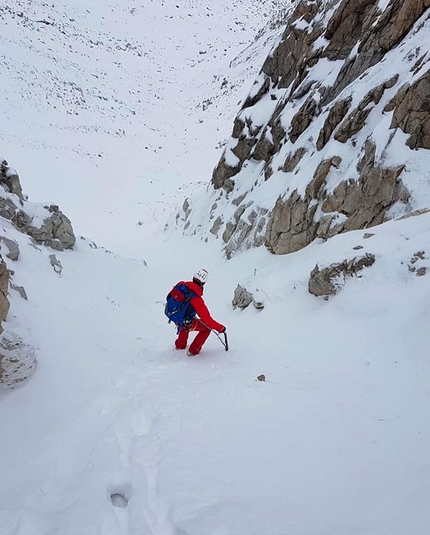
[201, 275]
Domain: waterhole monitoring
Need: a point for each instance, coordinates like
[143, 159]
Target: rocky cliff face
[334, 133]
[46, 225]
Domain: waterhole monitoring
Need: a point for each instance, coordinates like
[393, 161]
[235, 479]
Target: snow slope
[121, 103]
[117, 432]
[334, 441]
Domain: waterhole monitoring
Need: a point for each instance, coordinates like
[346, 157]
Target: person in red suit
[204, 323]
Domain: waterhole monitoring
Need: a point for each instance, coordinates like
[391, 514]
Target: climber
[184, 303]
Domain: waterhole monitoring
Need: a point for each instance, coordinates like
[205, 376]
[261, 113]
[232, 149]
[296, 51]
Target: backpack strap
[188, 315]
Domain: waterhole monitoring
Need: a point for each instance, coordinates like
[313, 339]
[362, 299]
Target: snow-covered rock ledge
[46, 225]
[17, 361]
[334, 134]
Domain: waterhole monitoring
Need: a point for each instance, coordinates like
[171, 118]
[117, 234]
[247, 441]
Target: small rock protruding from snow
[56, 264]
[20, 290]
[242, 299]
[415, 264]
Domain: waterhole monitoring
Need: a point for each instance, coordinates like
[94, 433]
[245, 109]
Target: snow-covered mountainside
[334, 135]
[124, 102]
[316, 421]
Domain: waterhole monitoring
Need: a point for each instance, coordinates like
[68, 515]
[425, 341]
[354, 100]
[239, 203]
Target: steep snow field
[119, 104]
[334, 441]
[119, 433]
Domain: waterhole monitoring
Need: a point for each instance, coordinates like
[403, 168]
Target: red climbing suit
[203, 324]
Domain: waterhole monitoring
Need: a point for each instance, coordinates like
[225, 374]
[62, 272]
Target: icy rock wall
[333, 132]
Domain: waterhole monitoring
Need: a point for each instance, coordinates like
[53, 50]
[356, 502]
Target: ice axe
[225, 343]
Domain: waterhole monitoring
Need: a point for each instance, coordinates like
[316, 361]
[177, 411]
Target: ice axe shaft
[225, 342]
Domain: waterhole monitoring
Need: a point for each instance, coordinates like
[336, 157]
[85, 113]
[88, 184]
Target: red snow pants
[199, 340]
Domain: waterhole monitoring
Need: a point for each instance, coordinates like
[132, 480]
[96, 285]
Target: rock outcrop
[353, 204]
[55, 229]
[12, 248]
[17, 361]
[412, 112]
[9, 180]
[47, 225]
[327, 281]
[347, 85]
[4, 292]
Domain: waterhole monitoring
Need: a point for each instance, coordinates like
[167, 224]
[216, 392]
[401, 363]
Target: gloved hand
[223, 329]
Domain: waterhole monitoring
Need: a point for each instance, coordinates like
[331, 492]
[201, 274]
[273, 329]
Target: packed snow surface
[119, 433]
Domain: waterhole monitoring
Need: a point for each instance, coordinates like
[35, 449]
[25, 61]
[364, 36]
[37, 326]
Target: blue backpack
[178, 307]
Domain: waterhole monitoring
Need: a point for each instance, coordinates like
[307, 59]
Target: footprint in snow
[119, 500]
